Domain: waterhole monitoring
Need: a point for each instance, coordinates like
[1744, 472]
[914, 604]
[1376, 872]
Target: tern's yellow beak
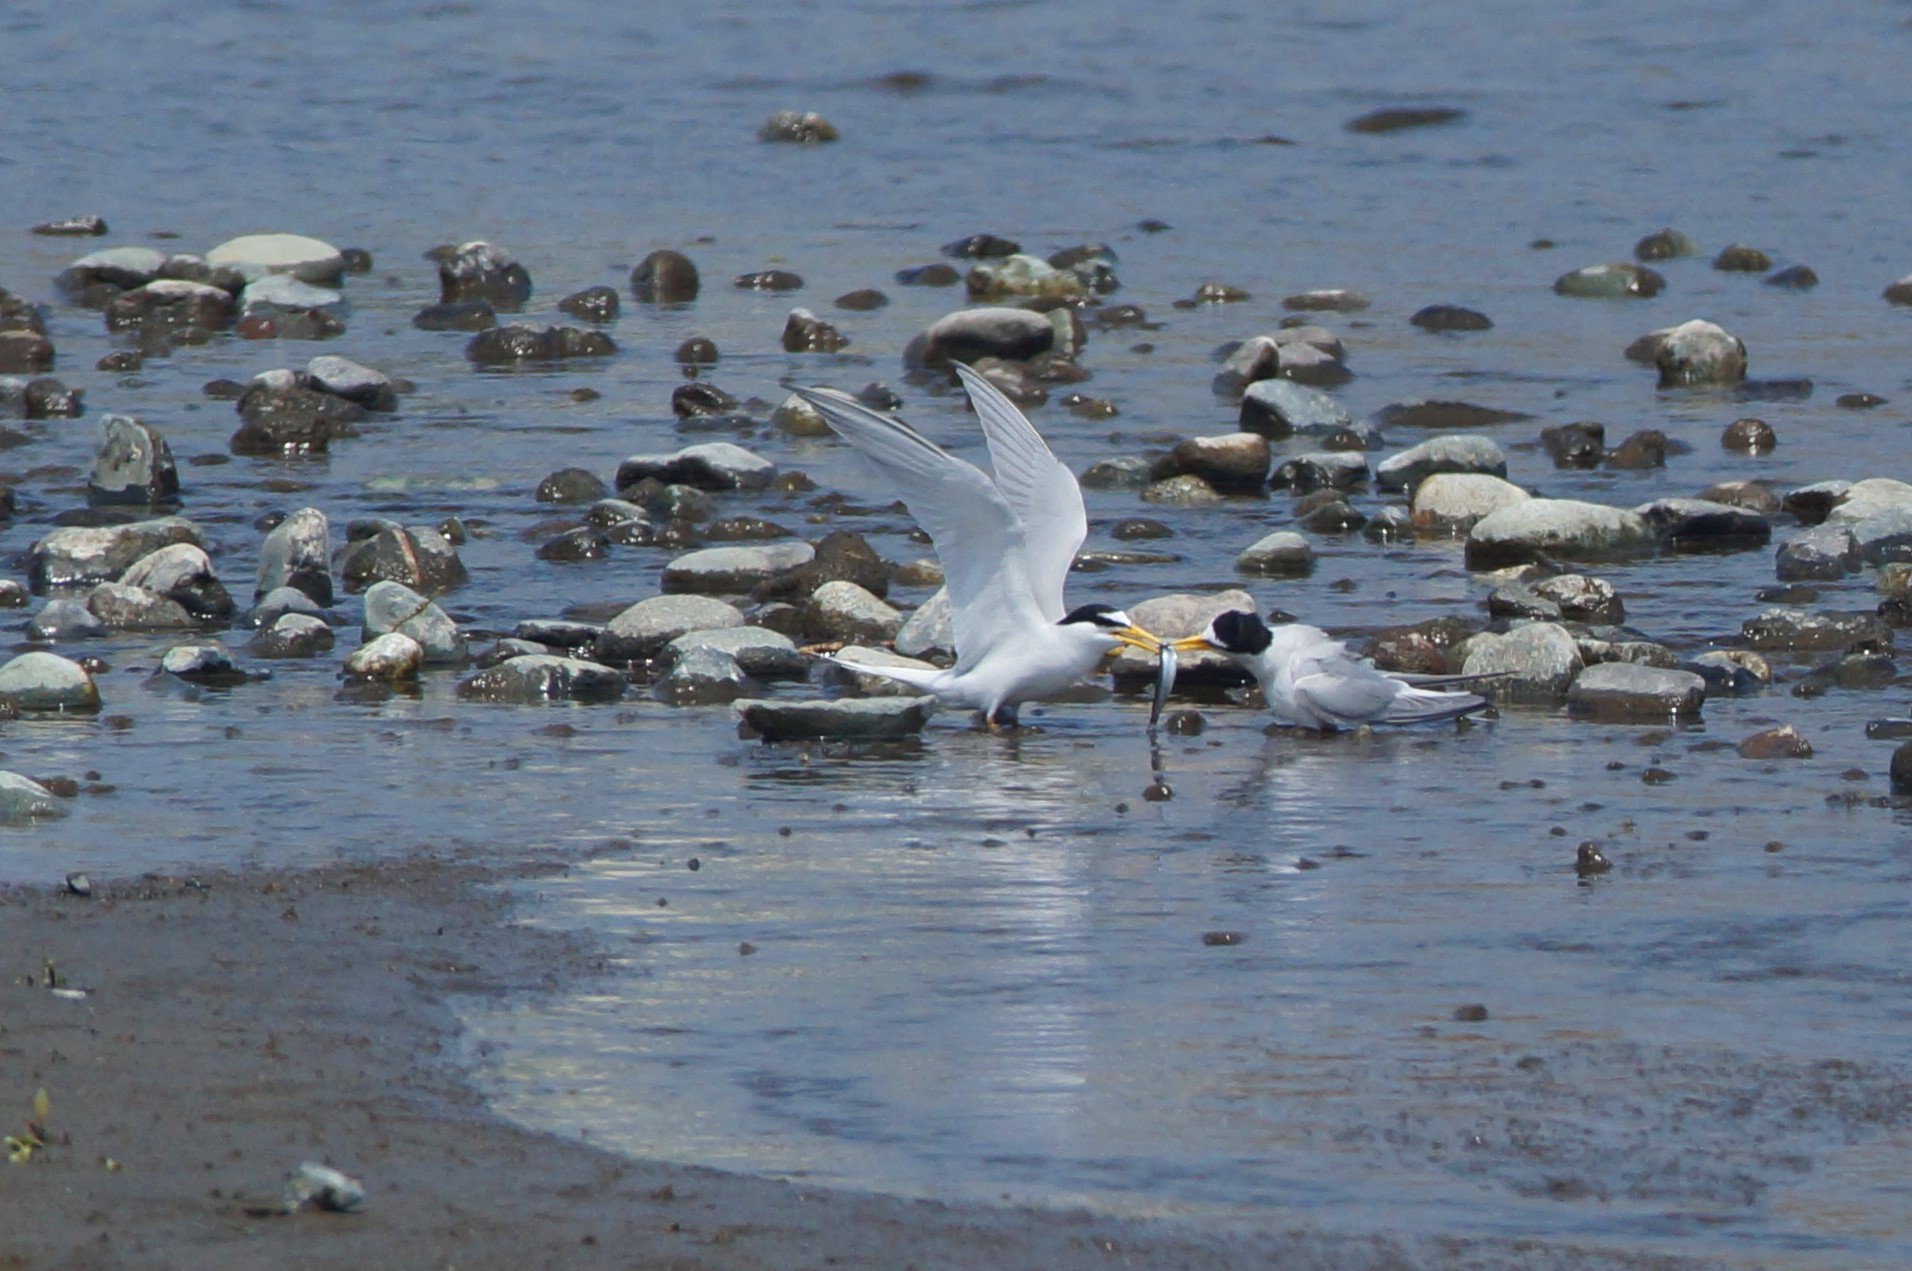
[1191, 644]
[1136, 638]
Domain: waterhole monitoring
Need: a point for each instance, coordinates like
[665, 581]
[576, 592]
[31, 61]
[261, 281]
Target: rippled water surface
[986, 966]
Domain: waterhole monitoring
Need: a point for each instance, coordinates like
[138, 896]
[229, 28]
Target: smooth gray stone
[181, 572]
[125, 608]
[1278, 408]
[79, 554]
[1455, 501]
[39, 681]
[1863, 500]
[120, 266]
[210, 660]
[65, 619]
[1126, 472]
[848, 718]
[1451, 452]
[968, 335]
[298, 554]
[762, 653]
[1566, 528]
[542, 677]
[277, 603]
[1535, 664]
[1619, 280]
[354, 381]
[391, 606]
[1800, 631]
[1886, 536]
[1822, 553]
[928, 629]
[132, 465]
[1629, 692]
[733, 570]
[1701, 525]
[841, 611]
[1282, 554]
[1700, 353]
[702, 676]
[24, 800]
[277, 293]
[392, 656]
[1234, 462]
[645, 628]
[715, 465]
[254, 256]
[293, 635]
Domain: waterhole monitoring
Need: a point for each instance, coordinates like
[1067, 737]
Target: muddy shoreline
[236, 1024]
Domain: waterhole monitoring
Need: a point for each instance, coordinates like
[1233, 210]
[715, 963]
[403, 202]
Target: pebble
[182, 572]
[859, 718]
[483, 271]
[665, 277]
[1738, 258]
[24, 800]
[844, 612]
[1452, 502]
[292, 635]
[1620, 692]
[801, 127]
[1823, 552]
[521, 342]
[805, 332]
[714, 466]
[1732, 671]
[255, 256]
[1279, 408]
[734, 570]
[297, 553]
[392, 656]
[1282, 554]
[392, 606]
[132, 465]
[208, 661]
[1451, 318]
[531, 678]
[1576, 445]
[1534, 664]
[593, 304]
[969, 335]
[702, 676]
[64, 619]
[1700, 353]
[1235, 463]
[928, 629]
[40, 681]
[1792, 630]
[355, 382]
[645, 628]
[1320, 470]
[1666, 244]
[1566, 528]
[416, 555]
[124, 608]
[1697, 525]
[1183, 491]
[1452, 452]
[761, 653]
[1619, 280]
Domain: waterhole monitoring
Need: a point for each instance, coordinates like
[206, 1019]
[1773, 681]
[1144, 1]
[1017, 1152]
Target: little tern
[1310, 680]
[1006, 543]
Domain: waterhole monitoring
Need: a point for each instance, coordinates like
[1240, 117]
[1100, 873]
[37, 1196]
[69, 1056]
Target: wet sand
[235, 1025]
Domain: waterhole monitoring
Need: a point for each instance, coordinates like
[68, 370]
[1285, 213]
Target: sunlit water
[982, 966]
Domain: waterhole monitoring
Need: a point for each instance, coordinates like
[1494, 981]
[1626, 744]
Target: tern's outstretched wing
[1042, 493]
[978, 537]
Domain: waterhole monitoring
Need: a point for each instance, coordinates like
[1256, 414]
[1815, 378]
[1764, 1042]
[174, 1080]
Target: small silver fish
[1164, 683]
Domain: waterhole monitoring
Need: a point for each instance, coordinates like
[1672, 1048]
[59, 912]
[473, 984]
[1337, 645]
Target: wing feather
[1042, 493]
[977, 535]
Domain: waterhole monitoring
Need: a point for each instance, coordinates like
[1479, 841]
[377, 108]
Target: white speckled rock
[392, 656]
[256, 255]
[1565, 528]
[1454, 501]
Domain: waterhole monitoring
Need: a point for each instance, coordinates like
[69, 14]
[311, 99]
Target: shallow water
[980, 967]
